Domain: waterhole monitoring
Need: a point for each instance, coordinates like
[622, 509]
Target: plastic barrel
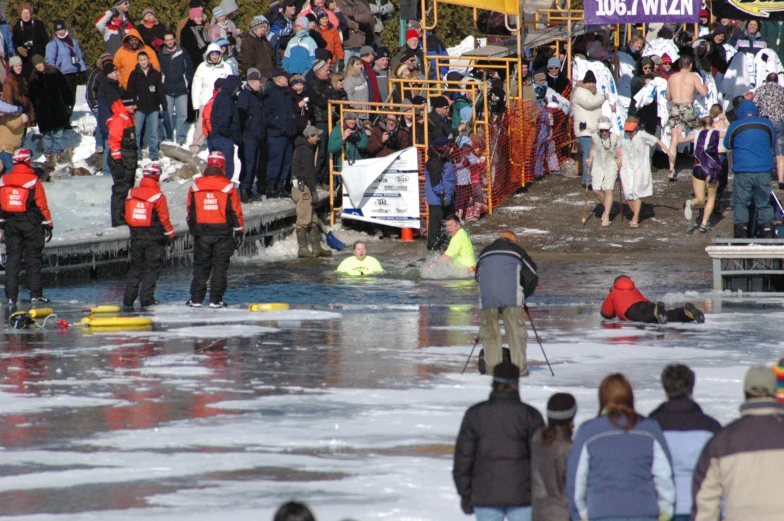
[40, 312]
[268, 306]
[116, 321]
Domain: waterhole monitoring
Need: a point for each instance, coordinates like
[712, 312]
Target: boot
[302, 241]
[244, 196]
[741, 231]
[318, 251]
[767, 231]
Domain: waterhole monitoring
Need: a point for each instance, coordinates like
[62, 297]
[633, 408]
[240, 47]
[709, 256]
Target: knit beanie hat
[148, 11]
[15, 60]
[505, 372]
[553, 63]
[666, 58]
[257, 21]
[59, 25]
[589, 77]
[109, 68]
[218, 12]
[36, 59]
[561, 408]
[411, 33]
[194, 12]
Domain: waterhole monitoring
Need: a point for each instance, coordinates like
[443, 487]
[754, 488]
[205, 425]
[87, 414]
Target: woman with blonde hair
[356, 85]
[619, 466]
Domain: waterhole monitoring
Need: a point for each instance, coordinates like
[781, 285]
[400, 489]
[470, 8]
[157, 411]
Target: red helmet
[216, 159]
[152, 170]
[22, 155]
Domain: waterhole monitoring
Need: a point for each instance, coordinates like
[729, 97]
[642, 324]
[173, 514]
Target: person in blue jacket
[619, 467]
[8, 41]
[225, 121]
[253, 130]
[64, 52]
[301, 50]
[752, 140]
[440, 181]
[280, 118]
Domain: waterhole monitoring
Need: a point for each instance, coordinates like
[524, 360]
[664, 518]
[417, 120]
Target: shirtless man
[680, 91]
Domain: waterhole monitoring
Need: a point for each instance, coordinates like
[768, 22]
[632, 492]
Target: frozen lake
[350, 403]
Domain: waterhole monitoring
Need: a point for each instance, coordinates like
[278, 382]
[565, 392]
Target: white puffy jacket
[586, 107]
[206, 74]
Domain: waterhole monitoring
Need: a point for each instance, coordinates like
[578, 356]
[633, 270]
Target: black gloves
[115, 12]
[465, 504]
[238, 237]
[48, 234]
[170, 243]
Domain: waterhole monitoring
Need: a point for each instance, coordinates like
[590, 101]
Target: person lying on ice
[627, 303]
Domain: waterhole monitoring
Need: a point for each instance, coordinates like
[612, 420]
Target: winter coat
[225, 117]
[751, 139]
[251, 111]
[398, 56]
[687, 429]
[279, 112]
[50, 96]
[506, 275]
[559, 83]
[623, 295]
[205, 76]
[745, 42]
[15, 92]
[94, 80]
[12, 129]
[228, 31]
[125, 59]
[492, 462]
[357, 89]
[233, 219]
[259, 53]
[333, 19]
[160, 226]
[615, 473]
[318, 91]
[439, 126]
[181, 24]
[336, 144]
[303, 113]
[177, 71]
[548, 477]
[303, 166]
[108, 93]
[587, 108]
[152, 36]
[361, 24]
[8, 49]
[113, 30]
[333, 42]
[460, 103]
[382, 80]
[149, 90]
[300, 53]
[194, 40]
[381, 10]
[122, 137]
[742, 465]
[62, 52]
[36, 208]
[399, 140]
[31, 38]
[439, 184]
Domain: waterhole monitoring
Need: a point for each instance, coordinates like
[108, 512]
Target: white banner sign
[383, 190]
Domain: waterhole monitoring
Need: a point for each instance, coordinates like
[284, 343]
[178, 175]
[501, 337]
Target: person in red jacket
[627, 303]
[214, 214]
[122, 149]
[25, 224]
[147, 215]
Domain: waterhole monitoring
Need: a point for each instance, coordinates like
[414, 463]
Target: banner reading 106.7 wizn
[641, 11]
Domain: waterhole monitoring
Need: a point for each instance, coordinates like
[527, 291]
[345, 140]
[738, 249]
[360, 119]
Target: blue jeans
[54, 141]
[148, 122]
[99, 137]
[585, 146]
[5, 158]
[279, 163]
[748, 187]
[106, 169]
[177, 113]
[499, 513]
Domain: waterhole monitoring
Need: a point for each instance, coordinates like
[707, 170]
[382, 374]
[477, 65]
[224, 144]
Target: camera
[393, 140]
[74, 60]
[28, 45]
[353, 138]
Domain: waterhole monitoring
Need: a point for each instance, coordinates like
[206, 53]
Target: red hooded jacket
[623, 296]
[23, 197]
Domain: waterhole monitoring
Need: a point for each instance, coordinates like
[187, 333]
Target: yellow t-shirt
[357, 268]
[461, 250]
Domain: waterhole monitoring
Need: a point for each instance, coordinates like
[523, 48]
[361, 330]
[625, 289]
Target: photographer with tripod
[389, 139]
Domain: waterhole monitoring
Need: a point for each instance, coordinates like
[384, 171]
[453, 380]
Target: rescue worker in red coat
[627, 303]
[25, 224]
[122, 153]
[147, 214]
[214, 215]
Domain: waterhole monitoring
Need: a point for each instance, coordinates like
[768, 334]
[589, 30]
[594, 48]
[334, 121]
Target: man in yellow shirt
[460, 251]
[361, 263]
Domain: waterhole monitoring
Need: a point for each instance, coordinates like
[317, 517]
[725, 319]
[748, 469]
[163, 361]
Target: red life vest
[14, 197]
[138, 211]
[211, 204]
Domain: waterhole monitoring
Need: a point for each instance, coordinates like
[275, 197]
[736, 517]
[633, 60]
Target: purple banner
[599, 12]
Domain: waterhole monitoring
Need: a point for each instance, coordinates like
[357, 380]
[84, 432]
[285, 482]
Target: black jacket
[279, 112]
[148, 89]
[251, 112]
[302, 163]
[192, 44]
[177, 70]
[492, 464]
[33, 37]
[439, 126]
[150, 35]
[50, 96]
[93, 85]
[559, 83]
[225, 117]
[684, 414]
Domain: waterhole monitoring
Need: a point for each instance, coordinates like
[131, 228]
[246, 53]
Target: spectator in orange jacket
[125, 60]
[627, 303]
